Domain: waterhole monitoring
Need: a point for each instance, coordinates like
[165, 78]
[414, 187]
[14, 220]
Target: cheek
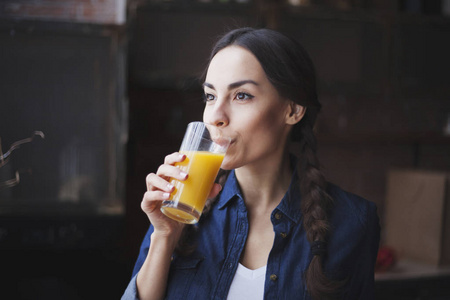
[205, 114]
[258, 133]
[262, 133]
[270, 121]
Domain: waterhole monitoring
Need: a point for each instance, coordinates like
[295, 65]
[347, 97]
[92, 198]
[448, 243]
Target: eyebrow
[232, 85]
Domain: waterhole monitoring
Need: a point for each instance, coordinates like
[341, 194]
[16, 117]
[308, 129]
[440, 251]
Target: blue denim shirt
[208, 272]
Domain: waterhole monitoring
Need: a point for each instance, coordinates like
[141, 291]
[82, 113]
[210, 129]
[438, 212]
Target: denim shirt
[207, 273]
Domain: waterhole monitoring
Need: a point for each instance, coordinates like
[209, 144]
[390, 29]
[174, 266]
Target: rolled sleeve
[131, 290]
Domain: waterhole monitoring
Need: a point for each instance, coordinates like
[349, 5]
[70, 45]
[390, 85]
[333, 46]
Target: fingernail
[181, 156]
[184, 175]
[166, 195]
[170, 187]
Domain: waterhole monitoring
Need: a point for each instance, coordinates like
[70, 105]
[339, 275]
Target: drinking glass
[205, 150]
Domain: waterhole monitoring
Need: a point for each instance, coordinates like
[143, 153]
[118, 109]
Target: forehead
[234, 63]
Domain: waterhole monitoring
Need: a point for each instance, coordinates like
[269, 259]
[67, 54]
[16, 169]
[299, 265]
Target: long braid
[315, 201]
[316, 204]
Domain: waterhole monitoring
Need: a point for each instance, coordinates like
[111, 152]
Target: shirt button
[283, 235]
[277, 216]
[230, 265]
[273, 277]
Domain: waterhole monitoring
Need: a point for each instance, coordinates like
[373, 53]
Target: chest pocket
[181, 281]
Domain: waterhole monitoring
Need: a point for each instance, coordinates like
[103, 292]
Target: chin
[227, 164]
[231, 163]
[226, 167]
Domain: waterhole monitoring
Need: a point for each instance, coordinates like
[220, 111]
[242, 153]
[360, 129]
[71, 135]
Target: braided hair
[291, 71]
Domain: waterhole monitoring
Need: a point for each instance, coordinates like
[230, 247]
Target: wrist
[164, 242]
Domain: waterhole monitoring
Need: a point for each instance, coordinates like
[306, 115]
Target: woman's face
[242, 102]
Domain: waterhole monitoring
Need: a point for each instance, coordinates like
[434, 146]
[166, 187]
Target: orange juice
[190, 195]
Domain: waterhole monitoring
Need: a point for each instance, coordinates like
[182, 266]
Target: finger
[215, 190]
[151, 206]
[152, 200]
[160, 180]
[169, 171]
[156, 182]
[174, 158]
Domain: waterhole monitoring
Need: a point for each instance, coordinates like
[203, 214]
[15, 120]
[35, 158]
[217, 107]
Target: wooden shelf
[408, 269]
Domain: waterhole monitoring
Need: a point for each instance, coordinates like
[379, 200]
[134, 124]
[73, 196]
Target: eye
[243, 96]
[208, 97]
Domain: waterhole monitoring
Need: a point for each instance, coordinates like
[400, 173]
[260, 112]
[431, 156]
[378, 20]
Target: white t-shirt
[247, 284]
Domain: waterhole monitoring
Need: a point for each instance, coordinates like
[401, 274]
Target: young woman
[274, 228]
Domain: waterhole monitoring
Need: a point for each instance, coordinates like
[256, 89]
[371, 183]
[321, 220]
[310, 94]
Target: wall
[62, 226]
[382, 74]
[80, 11]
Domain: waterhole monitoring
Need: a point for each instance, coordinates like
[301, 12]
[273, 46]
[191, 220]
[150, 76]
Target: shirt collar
[289, 205]
[230, 190]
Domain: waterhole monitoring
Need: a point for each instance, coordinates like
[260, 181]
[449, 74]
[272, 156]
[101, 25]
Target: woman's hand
[159, 189]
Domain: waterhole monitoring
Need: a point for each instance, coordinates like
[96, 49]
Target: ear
[295, 113]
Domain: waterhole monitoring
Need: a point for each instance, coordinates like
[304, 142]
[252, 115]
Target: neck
[264, 185]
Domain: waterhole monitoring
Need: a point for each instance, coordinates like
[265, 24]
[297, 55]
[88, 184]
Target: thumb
[215, 190]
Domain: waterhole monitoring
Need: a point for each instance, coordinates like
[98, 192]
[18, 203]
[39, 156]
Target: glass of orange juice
[204, 155]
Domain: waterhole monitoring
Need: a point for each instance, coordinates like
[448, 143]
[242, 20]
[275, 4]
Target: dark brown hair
[289, 68]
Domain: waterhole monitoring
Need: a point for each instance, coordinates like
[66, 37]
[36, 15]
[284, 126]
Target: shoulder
[353, 241]
[354, 231]
[354, 221]
[350, 207]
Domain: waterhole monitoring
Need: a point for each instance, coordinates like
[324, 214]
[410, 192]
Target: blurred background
[94, 94]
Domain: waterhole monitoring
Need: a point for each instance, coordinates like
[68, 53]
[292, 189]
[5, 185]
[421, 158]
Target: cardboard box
[417, 215]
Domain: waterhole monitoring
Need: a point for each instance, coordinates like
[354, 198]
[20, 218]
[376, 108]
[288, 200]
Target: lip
[221, 140]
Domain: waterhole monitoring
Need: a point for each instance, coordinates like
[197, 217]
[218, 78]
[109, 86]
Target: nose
[216, 114]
